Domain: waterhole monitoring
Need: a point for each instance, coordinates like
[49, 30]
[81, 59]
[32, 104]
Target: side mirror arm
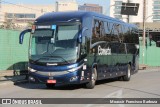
[21, 36]
[81, 33]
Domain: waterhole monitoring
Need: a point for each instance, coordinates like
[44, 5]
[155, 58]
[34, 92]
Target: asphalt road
[144, 84]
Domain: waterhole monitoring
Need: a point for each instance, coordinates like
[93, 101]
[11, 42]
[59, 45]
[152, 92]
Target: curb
[149, 70]
[6, 83]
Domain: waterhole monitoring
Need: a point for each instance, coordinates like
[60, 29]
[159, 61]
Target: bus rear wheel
[91, 84]
[128, 74]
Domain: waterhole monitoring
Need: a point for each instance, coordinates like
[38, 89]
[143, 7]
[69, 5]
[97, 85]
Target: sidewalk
[7, 77]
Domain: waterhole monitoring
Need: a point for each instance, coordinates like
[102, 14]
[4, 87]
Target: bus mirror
[84, 29]
[80, 38]
[21, 36]
[82, 33]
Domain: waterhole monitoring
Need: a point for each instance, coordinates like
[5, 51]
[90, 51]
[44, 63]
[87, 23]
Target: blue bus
[80, 48]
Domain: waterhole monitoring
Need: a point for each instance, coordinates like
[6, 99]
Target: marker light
[31, 70]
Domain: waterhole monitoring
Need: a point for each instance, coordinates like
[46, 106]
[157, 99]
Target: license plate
[51, 81]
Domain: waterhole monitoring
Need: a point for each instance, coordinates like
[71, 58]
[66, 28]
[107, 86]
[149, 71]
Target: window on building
[156, 20]
[117, 7]
[156, 7]
[156, 17]
[117, 11]
[9, 15]
[20, 15]
[156, 2]
[17, 15]
[156, 12]
[118, 16]
[118, 2]
[30, 16]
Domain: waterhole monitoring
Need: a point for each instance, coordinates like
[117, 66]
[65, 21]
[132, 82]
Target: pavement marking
[115, 94]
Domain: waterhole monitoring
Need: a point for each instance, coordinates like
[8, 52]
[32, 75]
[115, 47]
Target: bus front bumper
[57, 80]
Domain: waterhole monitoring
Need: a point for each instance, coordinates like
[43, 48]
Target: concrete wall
[12, 54]
[152, 54]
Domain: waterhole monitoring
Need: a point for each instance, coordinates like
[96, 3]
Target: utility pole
[128, 15]
[0, 11]
[144, 32]
[57, 6]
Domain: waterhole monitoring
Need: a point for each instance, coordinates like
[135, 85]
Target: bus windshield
[58, 45]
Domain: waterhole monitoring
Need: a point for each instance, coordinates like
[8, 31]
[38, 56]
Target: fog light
[73, 78]
[31, 79]
[82, 78]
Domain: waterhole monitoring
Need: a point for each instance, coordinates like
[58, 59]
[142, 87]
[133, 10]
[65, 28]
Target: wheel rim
[93, 77]
[129, 73]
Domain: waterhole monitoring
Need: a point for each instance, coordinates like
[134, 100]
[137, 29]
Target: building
[66, 6]
[0, 11]
[91, 7]
[21, 15]
[152, 10]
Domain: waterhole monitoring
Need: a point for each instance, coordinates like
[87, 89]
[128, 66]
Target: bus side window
[83, 46]
[126, 34]
[96, 29]
[107, 28]
[107, 31]
[102, 29]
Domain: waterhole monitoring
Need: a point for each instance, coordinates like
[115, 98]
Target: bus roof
[71, 15]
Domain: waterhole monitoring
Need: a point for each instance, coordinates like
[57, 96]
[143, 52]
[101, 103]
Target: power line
[21, 6]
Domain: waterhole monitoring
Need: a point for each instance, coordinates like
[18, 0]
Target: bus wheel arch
[94, 66]
[130, 63]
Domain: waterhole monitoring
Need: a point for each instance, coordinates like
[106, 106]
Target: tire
[127, 77]
[137, 64]
[50, 86]
[91, 84]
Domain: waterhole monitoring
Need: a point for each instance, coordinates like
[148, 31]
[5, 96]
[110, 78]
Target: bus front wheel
[91, 84]
[128, 74]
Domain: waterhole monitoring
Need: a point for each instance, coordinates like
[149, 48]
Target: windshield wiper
[59, 57]
[41, 58]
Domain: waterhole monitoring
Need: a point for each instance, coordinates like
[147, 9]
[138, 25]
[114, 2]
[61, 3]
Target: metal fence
[12, 54]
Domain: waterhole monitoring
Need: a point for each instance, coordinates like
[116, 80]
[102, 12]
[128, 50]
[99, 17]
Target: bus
[81, 48]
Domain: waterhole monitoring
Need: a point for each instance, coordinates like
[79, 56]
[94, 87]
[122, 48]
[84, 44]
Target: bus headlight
[73, 69]
[76, 68]
[137, 46]
[31, 70]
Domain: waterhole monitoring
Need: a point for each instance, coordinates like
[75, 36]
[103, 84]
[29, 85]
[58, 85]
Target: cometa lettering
[102, 51]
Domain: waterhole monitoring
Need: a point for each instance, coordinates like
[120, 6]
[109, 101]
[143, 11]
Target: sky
[104, 3]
